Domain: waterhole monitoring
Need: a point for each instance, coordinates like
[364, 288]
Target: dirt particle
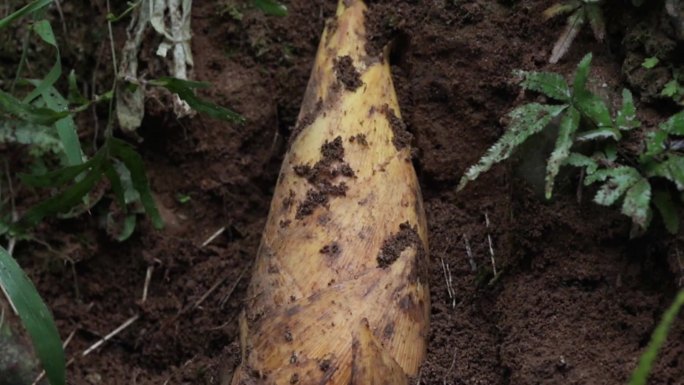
[293, 358]
[347, 74]
[334, 150]
[388, 331]
[288, 200]
[360, 139]
[402, 138]
[331, 250]
[285, 223]
[288, 336]
[320, 175]
[273, 269]
[294, 379]
[325, 365]
[392, 247]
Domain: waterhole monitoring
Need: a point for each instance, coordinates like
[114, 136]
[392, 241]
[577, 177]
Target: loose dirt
[524, 291]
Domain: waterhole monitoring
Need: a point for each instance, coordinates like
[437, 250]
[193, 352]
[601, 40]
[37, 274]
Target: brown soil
[524, 291]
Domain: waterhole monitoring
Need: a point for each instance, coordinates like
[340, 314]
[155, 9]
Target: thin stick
[469, 253]
[491, 247]
[148, 277]
[109, 336]
[447, 279]
[232, 289]
[451, 368]
[213, 236]
[208, 292]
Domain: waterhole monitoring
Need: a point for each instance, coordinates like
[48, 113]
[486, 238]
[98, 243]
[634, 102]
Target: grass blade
[25, 10]
[60, 176]
[44, 30]
[134, 164]
[9, 105]
[270, 7]
[66, 128]
[184, 89]
[640, 374]
[63, 201]
[35, 317]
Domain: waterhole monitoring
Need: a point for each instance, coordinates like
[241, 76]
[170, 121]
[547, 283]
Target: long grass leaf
[35, 317]
[25, 10]
[640, 374]
[134, 163]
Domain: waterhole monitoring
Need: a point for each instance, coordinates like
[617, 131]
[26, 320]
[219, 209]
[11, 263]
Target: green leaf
[637, 203]
[655, 145]
[579, 84]
[650, 62]
[134, 163]
[548, 83]
[618, 181]
[560, 9]
[566, 132]
[116, 184]
[44, 30]
[270, 7]
[131, 6]
[579, 160]
[595, 109]
[671, 89]
[126, 229]
[75, 96]
[63, 201]
[597, 134]
[35, 317]
[61, 176]
[184, 89]
[672, 169]
[38, 115]
[573, 25]
[526, 121]
[658, 338]
[28, 9]
[662, 199]
[626, 117]
[596, 21]
[674, 125]
[611, 152]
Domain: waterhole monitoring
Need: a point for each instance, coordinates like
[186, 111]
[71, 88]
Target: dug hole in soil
[573, 301]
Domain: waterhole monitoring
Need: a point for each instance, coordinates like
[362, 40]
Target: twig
[208, 292]
[469, 253]
[111, 335]
[73, 271]
[148, 277]
[447, 279]
[232, 289]
[61, 18]
[451, 368]
[491, 247]
[213, 236]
